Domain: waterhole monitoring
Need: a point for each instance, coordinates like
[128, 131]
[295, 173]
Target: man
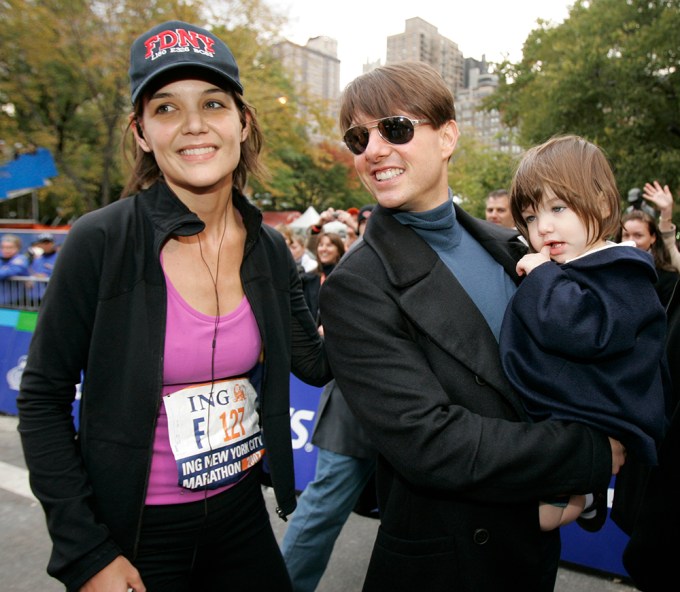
[350, 236]
[459, 470]
[345, 465]
[363, 216]
[652, 551]
[498, 208]
[12, 264]
[43, 264]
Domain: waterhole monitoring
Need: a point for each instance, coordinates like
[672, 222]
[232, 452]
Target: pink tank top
[187, 361]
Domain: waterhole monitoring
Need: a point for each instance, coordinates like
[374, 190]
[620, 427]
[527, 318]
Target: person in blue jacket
[42, 266]
[583, 337]
[185, 314]
[12, 264]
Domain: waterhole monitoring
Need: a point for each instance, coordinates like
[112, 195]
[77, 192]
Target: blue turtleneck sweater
[482, 277]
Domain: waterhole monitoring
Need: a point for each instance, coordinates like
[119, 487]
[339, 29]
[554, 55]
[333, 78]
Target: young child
[583, 337]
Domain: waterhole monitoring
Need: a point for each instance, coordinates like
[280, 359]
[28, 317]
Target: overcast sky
[495, 28]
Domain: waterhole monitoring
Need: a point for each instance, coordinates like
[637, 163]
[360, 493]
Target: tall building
[315, 70]
[368, 66]
[486, 126]
[468, 79]
[421, 42]
[472, 64]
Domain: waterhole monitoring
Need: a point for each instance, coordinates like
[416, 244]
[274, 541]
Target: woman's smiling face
[327, 252]
[194, 130]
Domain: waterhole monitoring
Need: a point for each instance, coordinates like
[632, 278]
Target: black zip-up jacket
[104, 316]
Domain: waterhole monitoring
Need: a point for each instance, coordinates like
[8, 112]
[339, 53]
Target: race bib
[214, 437]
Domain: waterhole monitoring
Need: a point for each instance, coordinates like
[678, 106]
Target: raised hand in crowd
[662, 198]
[347, 217]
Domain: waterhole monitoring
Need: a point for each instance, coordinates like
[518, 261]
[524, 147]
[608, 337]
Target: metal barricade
[22, 292]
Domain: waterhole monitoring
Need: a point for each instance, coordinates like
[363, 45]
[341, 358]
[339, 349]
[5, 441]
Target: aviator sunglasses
[396, 129]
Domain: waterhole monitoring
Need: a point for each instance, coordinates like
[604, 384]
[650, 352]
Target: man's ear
[449, 135]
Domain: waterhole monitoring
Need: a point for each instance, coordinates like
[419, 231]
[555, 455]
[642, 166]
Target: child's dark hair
[578, 173]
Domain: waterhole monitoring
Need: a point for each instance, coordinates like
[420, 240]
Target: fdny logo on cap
[178, 41]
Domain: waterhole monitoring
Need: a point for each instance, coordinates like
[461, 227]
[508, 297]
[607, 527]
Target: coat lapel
[419, 276]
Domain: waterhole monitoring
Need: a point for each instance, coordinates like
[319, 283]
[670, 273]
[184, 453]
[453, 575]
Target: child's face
[556, 225]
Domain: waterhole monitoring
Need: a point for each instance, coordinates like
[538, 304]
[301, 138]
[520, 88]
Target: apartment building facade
[315, 70]
[421, 42]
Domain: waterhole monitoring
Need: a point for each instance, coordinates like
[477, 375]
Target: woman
[662, 198]
[329, 249]
[186, 315]
[638, 226]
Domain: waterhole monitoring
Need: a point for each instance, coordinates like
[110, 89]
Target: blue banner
[16, 331]
[26, 172]
[304, 399]
[601, 550]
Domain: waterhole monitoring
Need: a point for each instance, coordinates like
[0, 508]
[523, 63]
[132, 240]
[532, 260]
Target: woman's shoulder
[102, 219]
[112, 210]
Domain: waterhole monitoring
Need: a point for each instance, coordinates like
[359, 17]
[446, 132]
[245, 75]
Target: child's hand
[532, 260]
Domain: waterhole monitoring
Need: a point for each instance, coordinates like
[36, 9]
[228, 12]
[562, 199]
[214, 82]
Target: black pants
[223, 543]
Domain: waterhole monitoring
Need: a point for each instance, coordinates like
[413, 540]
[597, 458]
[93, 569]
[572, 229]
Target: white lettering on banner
[15, 373]
[214, 432]
[300, 431]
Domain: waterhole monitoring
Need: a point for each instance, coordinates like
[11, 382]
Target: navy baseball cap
[175, 44]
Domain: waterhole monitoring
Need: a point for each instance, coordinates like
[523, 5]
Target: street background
[25, 546]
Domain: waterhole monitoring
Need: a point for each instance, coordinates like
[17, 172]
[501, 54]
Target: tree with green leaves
[475, 171]
[64, 71]
[64, 78]
[610, 73]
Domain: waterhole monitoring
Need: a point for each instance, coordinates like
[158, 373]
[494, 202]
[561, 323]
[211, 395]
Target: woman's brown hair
[662, 258]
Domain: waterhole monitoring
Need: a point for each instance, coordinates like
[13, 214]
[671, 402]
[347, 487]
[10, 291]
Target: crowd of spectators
[24, 275]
